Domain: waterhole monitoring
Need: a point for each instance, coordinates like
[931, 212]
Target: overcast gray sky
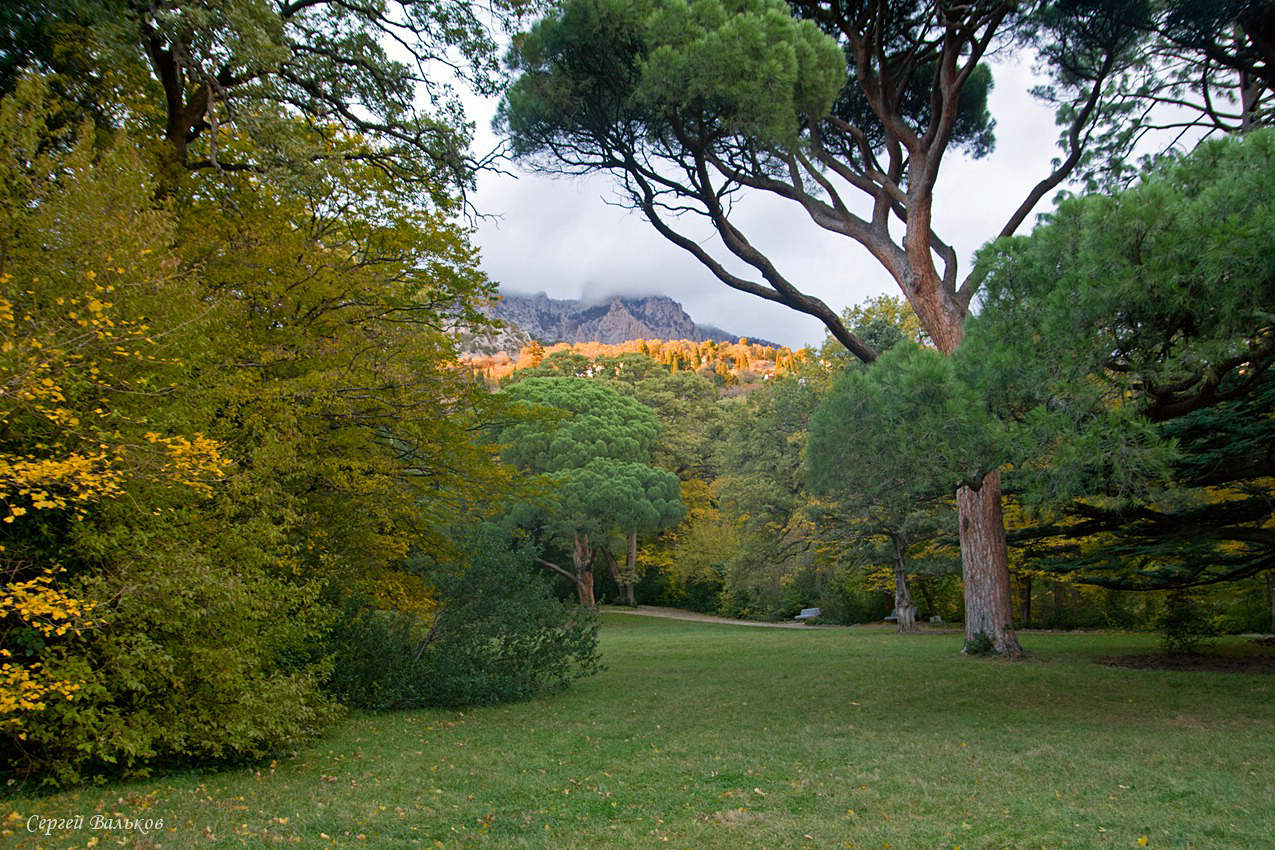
[561, 237]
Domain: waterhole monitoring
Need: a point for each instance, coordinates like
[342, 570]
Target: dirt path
[679, 614]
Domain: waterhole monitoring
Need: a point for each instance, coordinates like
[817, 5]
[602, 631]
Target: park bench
[809, 614]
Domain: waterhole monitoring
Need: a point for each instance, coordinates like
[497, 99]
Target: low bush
[186, 660]
[1185, 624]
[497, 635]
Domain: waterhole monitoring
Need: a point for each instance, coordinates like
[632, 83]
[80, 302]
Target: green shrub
[1244, 606]
[980, 644]
[652, 588]
[848, 600]
[189, 660]
[693, 590]
[742, 603]
[702, 593]
[1184, 623]
[498, 635]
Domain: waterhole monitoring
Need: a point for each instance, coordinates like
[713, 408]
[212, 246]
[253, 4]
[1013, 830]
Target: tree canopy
[590, 421]
[858, 104]
[303, 81]
[889, 445]
[592, 449]
[1130, 339]
[904, 430]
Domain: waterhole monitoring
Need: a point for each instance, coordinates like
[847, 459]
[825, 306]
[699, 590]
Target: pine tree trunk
[612, 566]
[1270, 586]
[904, 610]
[624, 579]
[1025, 608]
[1060, 604]
[984, 550]
[630, 571]
[989, 620]
[582, 557]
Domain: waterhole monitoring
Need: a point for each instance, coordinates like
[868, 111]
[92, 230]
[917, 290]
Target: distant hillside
[734, 366]
[615, 320]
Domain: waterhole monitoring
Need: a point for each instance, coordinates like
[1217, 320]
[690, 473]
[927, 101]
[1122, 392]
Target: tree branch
[542, 562]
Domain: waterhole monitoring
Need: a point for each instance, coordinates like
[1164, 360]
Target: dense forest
[249, 482]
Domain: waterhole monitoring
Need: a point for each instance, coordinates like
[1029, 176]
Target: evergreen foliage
[1129, 342]
[498, 635]
[592, 422]
[1184, 625]
[590, 448]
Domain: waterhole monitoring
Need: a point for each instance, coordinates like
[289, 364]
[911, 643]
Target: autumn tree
[242, 406]
[232, 236]
[339, 379]
[591, 448]
[100, 466]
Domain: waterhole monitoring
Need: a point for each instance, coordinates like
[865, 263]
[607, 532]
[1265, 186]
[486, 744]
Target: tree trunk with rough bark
[1270, 586]
[1025, 603]
[1060, 604]
[630, 571]
[612, 567]
[904, 609]
[984, 550]
[989, 624]
[624, 579]
[582, 558]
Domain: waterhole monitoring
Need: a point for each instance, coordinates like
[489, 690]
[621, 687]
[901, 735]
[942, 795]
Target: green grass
[706, 736]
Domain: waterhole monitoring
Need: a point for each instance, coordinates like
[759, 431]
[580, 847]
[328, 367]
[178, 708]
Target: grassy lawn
[703, 735]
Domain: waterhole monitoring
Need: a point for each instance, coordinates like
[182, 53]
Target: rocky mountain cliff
[617, 319]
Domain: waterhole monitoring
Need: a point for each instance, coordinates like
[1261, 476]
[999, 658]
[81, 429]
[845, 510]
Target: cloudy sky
[562, 237]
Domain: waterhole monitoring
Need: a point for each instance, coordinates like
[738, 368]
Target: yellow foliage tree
[78, 362]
